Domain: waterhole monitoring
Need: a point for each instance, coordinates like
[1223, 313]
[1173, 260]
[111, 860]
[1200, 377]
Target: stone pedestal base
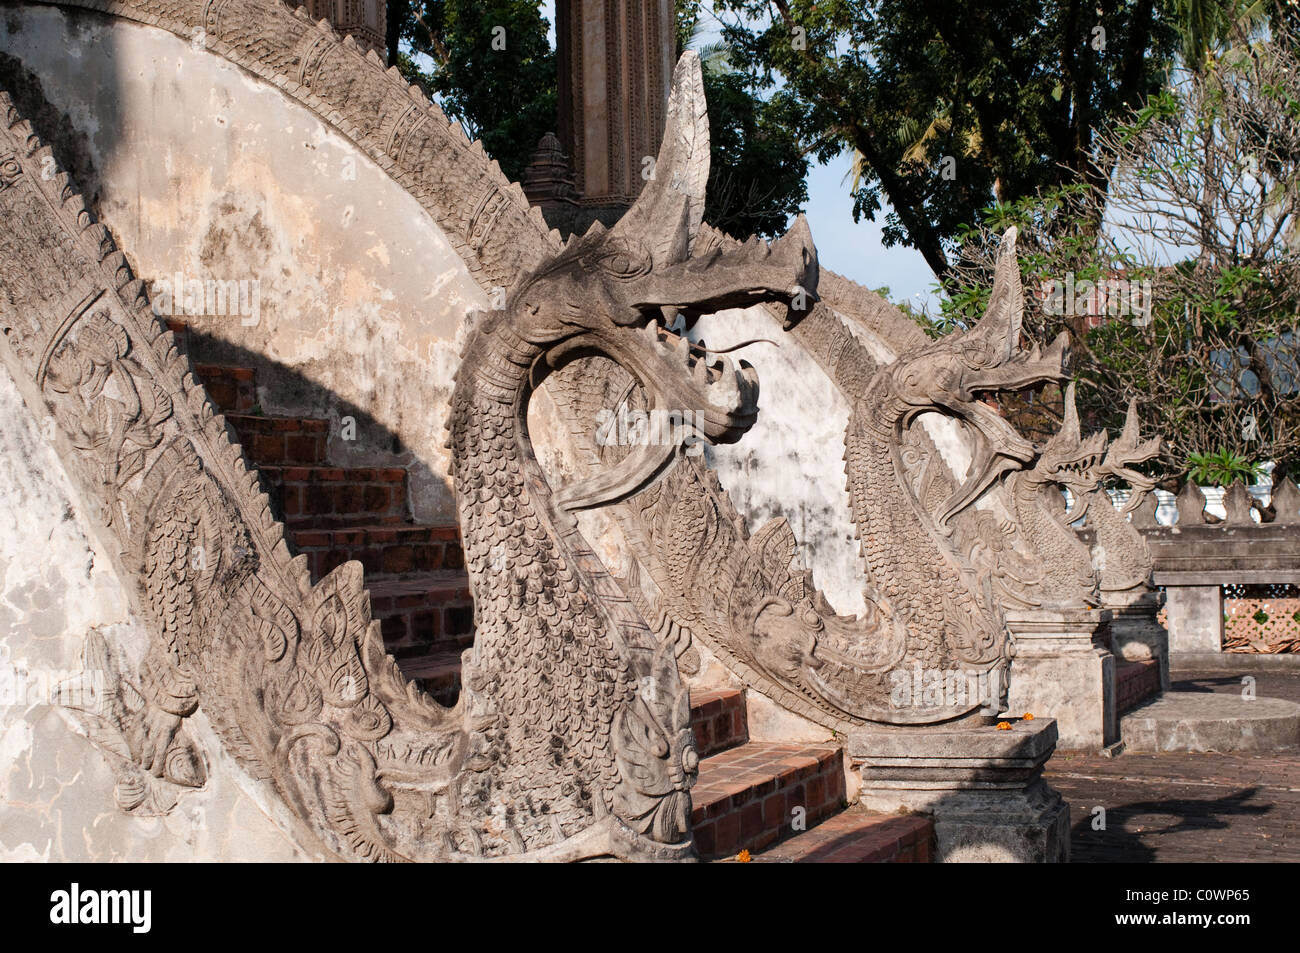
[1063, 669]
[1135, 633]
[1195, 615]
[984, 788]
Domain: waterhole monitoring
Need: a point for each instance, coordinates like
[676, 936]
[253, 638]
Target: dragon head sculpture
[572, 701]
[954, 373]
[1127, 451]
[615, 293]
[1068, 459]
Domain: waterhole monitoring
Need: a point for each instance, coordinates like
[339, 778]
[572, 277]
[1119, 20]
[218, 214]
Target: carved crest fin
[999, 329]
[668, 213]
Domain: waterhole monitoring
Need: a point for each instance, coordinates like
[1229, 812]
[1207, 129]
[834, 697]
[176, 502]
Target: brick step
[328, 497]
[384, 549]
[749, 797]
[282, 441]
[719, 720]
[232, 389]
[1136, 683]
[423, 613]
[858, 836]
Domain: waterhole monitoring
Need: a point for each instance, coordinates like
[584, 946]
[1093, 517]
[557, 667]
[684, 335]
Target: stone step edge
[855, 836]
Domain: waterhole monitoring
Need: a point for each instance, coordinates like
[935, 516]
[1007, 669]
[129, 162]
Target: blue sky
[853, 249]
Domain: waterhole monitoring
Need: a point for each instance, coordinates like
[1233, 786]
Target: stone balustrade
[1199, 554]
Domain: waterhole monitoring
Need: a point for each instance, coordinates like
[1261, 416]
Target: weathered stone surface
[927, 605]
[1203, 721]
[557, 748]
[1191, 505]
[1136, 633]
[56, 787]
[1063, 669]
[983, 786]
[1195, 618]
[1234, 663]
[363, 244]
[1286, 503]
[745, 596]
[1238, 504]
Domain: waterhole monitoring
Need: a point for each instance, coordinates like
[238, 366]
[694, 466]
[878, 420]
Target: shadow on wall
[283, 390]
[71, 145]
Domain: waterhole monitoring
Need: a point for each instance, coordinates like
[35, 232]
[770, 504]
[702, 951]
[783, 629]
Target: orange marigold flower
[1029, 716]
[1004, 726]
[744, 857]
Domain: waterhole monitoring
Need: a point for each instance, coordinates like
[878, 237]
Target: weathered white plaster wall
[56, 787]
[791, 463]
[202, 169]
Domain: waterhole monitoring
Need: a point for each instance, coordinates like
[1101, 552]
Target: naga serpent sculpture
[928, 605]
[571, 739]
[944, 554]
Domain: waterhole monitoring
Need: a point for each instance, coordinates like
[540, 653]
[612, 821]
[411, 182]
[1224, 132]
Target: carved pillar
[615, 61]
[984, 787]
[365, 20]
[1063, 668]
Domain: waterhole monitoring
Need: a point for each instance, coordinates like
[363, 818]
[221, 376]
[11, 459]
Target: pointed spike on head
[1131, 432]
[1070, 427]
[999, 329]
[673, 198]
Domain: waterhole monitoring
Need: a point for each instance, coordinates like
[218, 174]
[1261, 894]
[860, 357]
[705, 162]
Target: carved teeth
[725, 391]
[701, 374]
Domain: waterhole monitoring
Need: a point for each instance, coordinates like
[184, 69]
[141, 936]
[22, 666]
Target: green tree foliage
[491, 68]
[1203, 227]
[948, 103]
[758, 168]
[507, 98]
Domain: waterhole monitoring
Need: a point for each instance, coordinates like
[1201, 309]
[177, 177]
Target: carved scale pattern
[293, 677]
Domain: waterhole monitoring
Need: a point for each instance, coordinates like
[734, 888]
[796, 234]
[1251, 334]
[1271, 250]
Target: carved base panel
[1063, 668]
[984, 788]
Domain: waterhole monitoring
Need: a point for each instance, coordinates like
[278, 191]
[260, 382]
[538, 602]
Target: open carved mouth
[1001, 447]
[722, 393]
[711, 397]
[708, 397]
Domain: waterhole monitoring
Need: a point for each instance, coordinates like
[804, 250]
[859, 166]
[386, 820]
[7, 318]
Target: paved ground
[1187, 807]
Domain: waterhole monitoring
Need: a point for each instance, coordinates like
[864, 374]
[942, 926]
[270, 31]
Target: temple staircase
[776, 802]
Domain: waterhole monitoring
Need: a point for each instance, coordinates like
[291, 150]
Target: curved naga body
[571, 738]
[746, 598]
[1064, 574]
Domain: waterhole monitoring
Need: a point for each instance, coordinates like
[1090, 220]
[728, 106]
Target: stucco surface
[56, 788]
[201, 169]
